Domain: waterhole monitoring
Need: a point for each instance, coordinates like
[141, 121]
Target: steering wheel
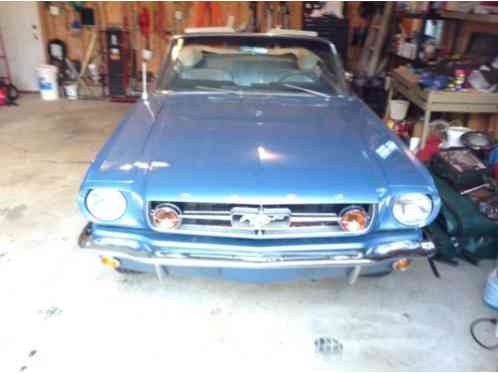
[298, 77]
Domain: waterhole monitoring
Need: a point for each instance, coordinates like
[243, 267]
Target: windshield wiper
[221, 90]
[310, 91]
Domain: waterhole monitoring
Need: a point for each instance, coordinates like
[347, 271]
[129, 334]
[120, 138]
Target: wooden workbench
[471, 101]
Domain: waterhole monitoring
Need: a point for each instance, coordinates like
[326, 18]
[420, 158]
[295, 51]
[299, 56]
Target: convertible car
[251, 160]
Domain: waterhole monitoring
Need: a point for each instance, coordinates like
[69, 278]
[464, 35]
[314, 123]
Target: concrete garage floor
[61, 311]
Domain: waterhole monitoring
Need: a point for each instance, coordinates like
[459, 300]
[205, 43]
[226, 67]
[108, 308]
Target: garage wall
[19, 24]
[166, 18]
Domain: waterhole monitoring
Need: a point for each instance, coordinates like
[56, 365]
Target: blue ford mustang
[252, 161]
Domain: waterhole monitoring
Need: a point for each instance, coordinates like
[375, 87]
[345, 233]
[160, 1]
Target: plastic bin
[491, 291]
[398, 109]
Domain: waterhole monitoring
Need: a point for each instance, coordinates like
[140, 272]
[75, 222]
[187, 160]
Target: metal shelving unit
[424, 17]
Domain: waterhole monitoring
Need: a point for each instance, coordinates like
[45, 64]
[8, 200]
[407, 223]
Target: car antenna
[145, 95]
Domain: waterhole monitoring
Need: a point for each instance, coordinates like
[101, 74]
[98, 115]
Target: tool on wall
[144, 24]
[118, 64]
[376, 37]
[89, 53]
[207, 14]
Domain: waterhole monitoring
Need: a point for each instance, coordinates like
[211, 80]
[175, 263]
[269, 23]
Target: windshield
[259, 64]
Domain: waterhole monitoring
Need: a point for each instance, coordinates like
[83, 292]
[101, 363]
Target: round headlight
[354, 219]
[106, 204]
[166, 216]
[412, 209]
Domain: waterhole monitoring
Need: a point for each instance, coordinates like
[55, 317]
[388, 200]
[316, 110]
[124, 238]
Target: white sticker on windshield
[385, 150]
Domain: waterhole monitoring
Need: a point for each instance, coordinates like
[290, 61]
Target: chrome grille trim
[217, 221]
[206, 216]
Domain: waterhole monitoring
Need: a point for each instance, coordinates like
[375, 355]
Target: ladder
[3, 58]
[376, 36]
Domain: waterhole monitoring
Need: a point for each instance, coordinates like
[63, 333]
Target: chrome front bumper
[302, 256]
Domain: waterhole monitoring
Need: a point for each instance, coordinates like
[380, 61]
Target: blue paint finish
[149, 241]
[254, 149]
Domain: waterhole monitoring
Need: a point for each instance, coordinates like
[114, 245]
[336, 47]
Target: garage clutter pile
[459, 145]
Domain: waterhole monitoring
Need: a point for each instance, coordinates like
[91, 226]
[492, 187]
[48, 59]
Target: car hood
[261, 149]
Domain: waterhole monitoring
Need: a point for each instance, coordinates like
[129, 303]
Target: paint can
[71, 90]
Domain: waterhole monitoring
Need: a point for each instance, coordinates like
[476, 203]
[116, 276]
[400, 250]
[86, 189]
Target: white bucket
[71, 90]
[47, 81]
[453, 136]
[398, 109]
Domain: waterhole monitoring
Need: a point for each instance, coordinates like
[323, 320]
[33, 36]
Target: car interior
[246, 67]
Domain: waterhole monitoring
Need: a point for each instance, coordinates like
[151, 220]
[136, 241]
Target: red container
[3, 95]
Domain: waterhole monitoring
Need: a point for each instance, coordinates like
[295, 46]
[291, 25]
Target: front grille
[289, 220]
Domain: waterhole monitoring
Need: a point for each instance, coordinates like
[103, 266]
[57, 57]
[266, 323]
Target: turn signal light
[166, 216]
[354, 219]
[401, 265]
[110, 262]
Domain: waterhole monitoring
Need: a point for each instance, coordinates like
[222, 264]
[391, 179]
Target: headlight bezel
[412, 223]
[166, 206]
[358, 210]
[111, 192]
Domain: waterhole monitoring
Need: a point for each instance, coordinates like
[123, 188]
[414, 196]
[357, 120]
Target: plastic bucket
[71, 91]
[47, 82]
[491, 291]
[453, 136]
[398, 109]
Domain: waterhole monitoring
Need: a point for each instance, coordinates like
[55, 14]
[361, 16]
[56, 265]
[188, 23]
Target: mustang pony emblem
[257, 220]
[254, 218]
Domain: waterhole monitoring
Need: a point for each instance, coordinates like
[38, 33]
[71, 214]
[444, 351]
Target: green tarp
[460, 229]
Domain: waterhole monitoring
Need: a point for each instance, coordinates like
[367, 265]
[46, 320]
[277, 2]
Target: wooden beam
[486, 18]
[296, 15]
[44, 28]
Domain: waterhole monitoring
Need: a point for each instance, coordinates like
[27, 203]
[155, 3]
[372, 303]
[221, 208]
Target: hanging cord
[473, 326]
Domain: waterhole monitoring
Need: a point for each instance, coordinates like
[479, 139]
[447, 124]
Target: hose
[473, 326]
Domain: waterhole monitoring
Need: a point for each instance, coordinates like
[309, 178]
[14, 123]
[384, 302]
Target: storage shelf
[402, 57]
[430, 16]
[417, 63]
[487, 18]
